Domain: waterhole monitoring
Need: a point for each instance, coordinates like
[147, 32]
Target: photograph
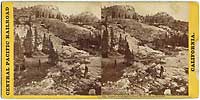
[101, 48]
[144, 48]
[56, 48]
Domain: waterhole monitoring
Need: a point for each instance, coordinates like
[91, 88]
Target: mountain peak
[47, 7]
[120, 11]
[161, 14]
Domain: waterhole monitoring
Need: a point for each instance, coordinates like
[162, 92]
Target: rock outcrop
[23, 15]
[120, 11]
[47, 11]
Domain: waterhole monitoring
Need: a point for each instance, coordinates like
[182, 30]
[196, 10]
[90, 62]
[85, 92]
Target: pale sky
[179, 10]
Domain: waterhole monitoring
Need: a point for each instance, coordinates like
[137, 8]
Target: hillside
[162, 18]
[149, 29]
[142, 32]
[66, 31]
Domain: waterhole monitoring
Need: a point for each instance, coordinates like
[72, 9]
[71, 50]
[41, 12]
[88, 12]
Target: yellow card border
[8, 66]
[7, 45]
[193, 31]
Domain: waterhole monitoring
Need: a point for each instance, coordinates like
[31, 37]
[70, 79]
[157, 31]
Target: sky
[179, 10]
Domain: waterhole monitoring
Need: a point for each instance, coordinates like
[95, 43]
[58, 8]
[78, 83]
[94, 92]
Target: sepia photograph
[57, 50]
[101, 48]
[144, 48]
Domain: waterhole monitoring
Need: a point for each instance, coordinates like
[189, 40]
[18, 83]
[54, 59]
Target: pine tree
[29, 22]
[98, 38]
[173, 41]
[113, 14]
[28, 45]
[128, 54]
[18, 50]
[45, 44]
[184, 40]
[50, 45]
[120, 44]
[37, 14]
[36, 43]
[105, 40]
[105, 45]
[112, 42]
[53, 55]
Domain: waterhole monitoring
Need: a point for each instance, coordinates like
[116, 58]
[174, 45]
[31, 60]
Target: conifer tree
[53, 55]
[105, 40]
[184, 40]
[29, 22]
[105, 45]
[127, 54]
[112, 42]
[36, 43]
[28, 45]
[120, 44]
[50, 45]
[45, 44]
[98, 38]
[18, 50]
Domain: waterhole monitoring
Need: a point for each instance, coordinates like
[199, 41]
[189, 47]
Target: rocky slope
[66, 31]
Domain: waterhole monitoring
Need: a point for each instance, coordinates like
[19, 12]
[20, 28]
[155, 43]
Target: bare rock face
[65, 31]
[68, 51]
[47, 11]
[164, 17]
[119, 11]
[22, 15]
